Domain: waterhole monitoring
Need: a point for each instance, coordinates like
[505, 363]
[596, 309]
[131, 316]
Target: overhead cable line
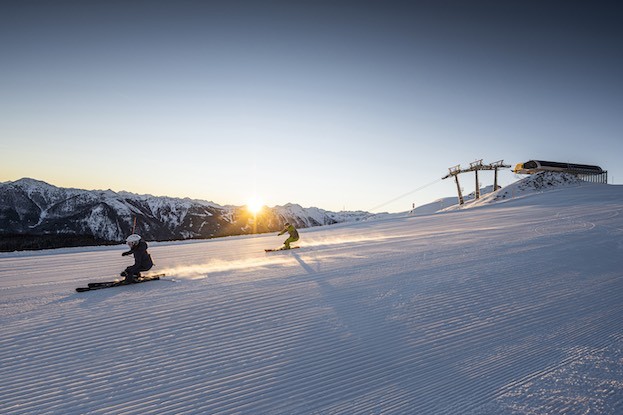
[404, 195]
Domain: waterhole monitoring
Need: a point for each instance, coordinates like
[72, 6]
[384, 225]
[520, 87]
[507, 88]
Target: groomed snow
[511, 307]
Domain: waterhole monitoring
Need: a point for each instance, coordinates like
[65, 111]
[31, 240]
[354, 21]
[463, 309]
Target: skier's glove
[126, 253]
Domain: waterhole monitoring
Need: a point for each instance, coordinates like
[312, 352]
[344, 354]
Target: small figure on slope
[294, 235]
[142, 259]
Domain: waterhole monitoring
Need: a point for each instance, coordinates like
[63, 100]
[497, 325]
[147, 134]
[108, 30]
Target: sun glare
[254, 205]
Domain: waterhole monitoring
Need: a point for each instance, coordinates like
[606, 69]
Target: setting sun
[254, 205]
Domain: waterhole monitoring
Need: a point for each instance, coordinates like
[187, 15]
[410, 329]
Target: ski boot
[130, 279]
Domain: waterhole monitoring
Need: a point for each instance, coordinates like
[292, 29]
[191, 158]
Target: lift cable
[405, 195]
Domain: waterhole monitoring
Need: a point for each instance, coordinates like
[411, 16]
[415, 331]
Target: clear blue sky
[331, 104]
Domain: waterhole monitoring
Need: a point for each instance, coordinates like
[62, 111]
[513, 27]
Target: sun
[255, 205]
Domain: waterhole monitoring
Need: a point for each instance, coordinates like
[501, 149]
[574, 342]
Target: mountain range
[36, 215]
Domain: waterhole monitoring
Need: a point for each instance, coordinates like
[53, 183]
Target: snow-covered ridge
[540, 182]
[29, 206]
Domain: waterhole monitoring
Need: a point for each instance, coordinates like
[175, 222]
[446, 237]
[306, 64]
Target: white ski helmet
[133, 239]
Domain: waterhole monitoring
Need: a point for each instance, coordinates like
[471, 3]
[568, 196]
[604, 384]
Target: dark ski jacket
[142, 259]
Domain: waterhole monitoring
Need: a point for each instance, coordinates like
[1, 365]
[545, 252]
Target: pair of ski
[281, 249]
[100, 285]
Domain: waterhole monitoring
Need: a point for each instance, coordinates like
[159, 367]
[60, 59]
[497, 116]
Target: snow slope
[512, 307]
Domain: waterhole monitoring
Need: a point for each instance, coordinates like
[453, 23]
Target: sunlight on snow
[198, 271]
[351, 239]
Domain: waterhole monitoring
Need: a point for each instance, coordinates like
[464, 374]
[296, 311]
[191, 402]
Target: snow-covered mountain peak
[33, 207]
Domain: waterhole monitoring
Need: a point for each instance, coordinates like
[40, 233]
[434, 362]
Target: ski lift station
[588, 173]
[594, 174]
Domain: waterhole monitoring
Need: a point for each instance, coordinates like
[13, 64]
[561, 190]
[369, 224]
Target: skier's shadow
[374, 344]
[304, 265]
[93, 298]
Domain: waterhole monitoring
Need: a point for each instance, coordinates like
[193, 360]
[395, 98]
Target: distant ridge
[31, 208]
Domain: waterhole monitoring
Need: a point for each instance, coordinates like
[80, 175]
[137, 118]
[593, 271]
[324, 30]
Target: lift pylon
[475, 167]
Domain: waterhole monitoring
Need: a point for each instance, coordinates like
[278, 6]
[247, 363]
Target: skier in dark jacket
[142, 259]
[294, 235]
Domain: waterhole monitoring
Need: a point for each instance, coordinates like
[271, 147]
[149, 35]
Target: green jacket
[291, 230]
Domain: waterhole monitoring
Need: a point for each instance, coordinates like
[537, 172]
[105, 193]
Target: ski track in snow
[509, 309]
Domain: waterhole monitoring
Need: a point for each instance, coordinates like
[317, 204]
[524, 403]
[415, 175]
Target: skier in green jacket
[294, 235]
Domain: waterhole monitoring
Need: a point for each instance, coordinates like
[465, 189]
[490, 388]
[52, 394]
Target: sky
[337, 104]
